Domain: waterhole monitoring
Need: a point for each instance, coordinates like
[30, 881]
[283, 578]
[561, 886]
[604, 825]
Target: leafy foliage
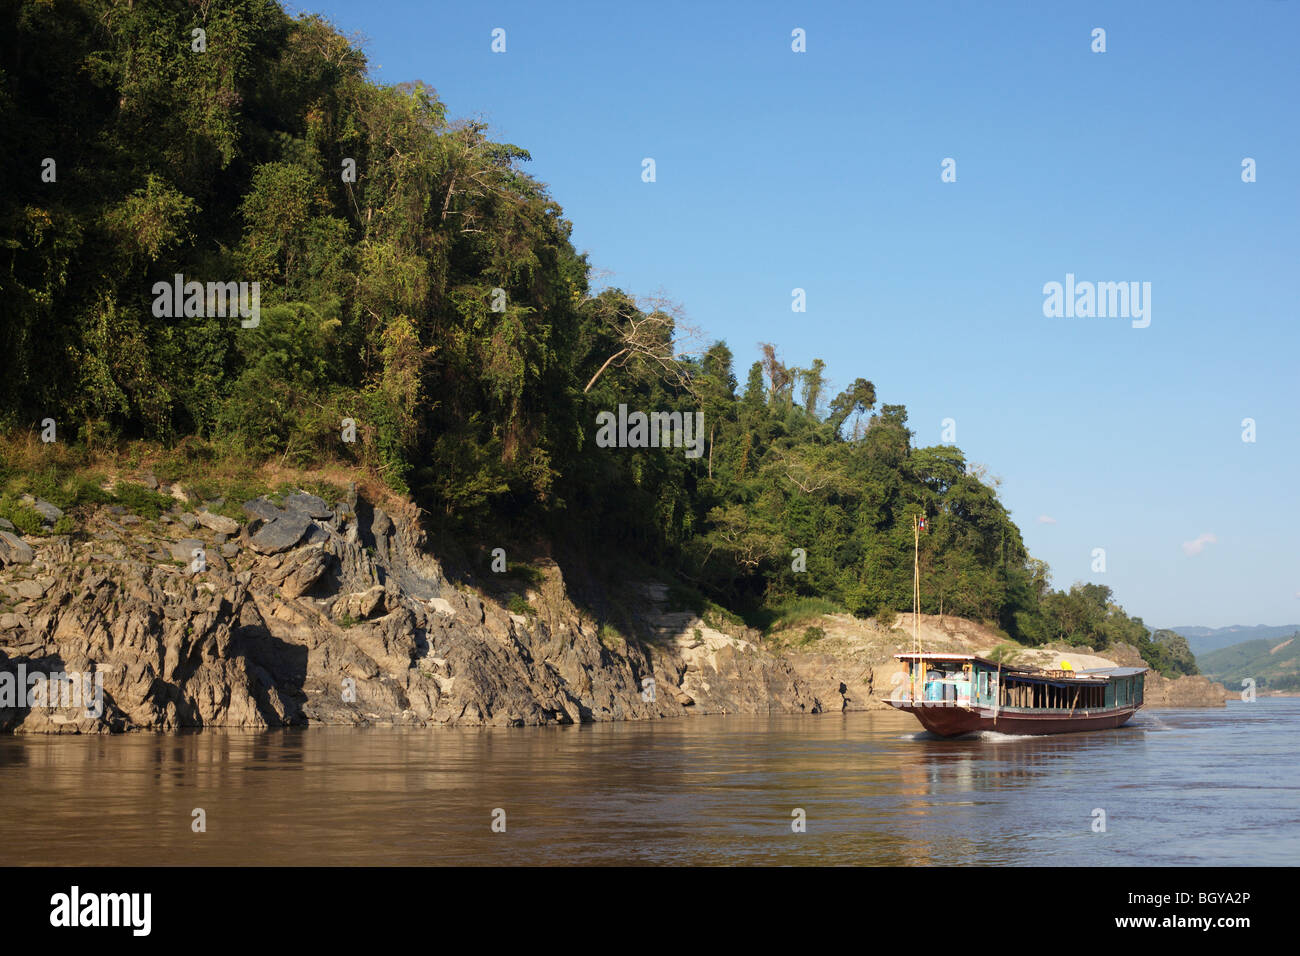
[435, 299]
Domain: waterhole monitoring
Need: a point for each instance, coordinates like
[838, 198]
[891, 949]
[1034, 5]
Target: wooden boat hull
[953, 720]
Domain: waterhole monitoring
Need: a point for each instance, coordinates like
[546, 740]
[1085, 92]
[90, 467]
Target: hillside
[423, 320]
[1274, 663]
[1203, 640]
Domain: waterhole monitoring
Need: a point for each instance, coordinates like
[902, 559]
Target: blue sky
[821, 170]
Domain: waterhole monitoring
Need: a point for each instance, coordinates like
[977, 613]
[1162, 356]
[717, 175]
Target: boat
[955, 694]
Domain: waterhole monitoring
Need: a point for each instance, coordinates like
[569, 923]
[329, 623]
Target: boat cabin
[967, 680]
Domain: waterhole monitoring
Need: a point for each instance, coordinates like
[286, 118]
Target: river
[1203, 786]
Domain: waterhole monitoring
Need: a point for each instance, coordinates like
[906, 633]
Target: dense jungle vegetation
[435, 299]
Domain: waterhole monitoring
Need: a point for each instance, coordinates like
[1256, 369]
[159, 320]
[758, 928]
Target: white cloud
[1046, 519]
[1197, 545]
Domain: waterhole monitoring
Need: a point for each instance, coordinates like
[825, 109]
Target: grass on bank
[74, 476]
[801, 610]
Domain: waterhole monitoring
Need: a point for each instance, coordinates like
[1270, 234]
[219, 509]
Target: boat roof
[930, 656]
[1091, 673]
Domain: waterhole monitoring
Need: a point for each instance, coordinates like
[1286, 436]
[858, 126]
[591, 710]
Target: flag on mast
[920, 523]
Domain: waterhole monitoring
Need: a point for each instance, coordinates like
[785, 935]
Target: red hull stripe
[954, 721]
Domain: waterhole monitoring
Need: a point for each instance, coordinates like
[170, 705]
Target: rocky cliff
[329, 613]
[309, 612]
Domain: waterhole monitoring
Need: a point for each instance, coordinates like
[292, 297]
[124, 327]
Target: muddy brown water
[1214, 786]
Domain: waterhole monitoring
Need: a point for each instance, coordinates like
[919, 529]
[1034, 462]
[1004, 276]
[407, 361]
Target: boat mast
[916, 598]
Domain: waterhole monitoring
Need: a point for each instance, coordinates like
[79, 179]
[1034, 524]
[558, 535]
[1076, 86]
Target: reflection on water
[1177, 787]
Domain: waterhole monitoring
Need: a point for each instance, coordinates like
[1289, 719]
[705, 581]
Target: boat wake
[991, 735]
[1151, 722]
[995, 736]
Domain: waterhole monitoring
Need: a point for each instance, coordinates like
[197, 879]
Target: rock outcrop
[14, 550]
[312, 614]
[1185, 691]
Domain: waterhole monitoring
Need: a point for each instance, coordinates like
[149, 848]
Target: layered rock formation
[317, 613]
[332, 614]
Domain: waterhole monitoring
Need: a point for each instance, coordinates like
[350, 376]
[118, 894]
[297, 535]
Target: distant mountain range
[1203, 640]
